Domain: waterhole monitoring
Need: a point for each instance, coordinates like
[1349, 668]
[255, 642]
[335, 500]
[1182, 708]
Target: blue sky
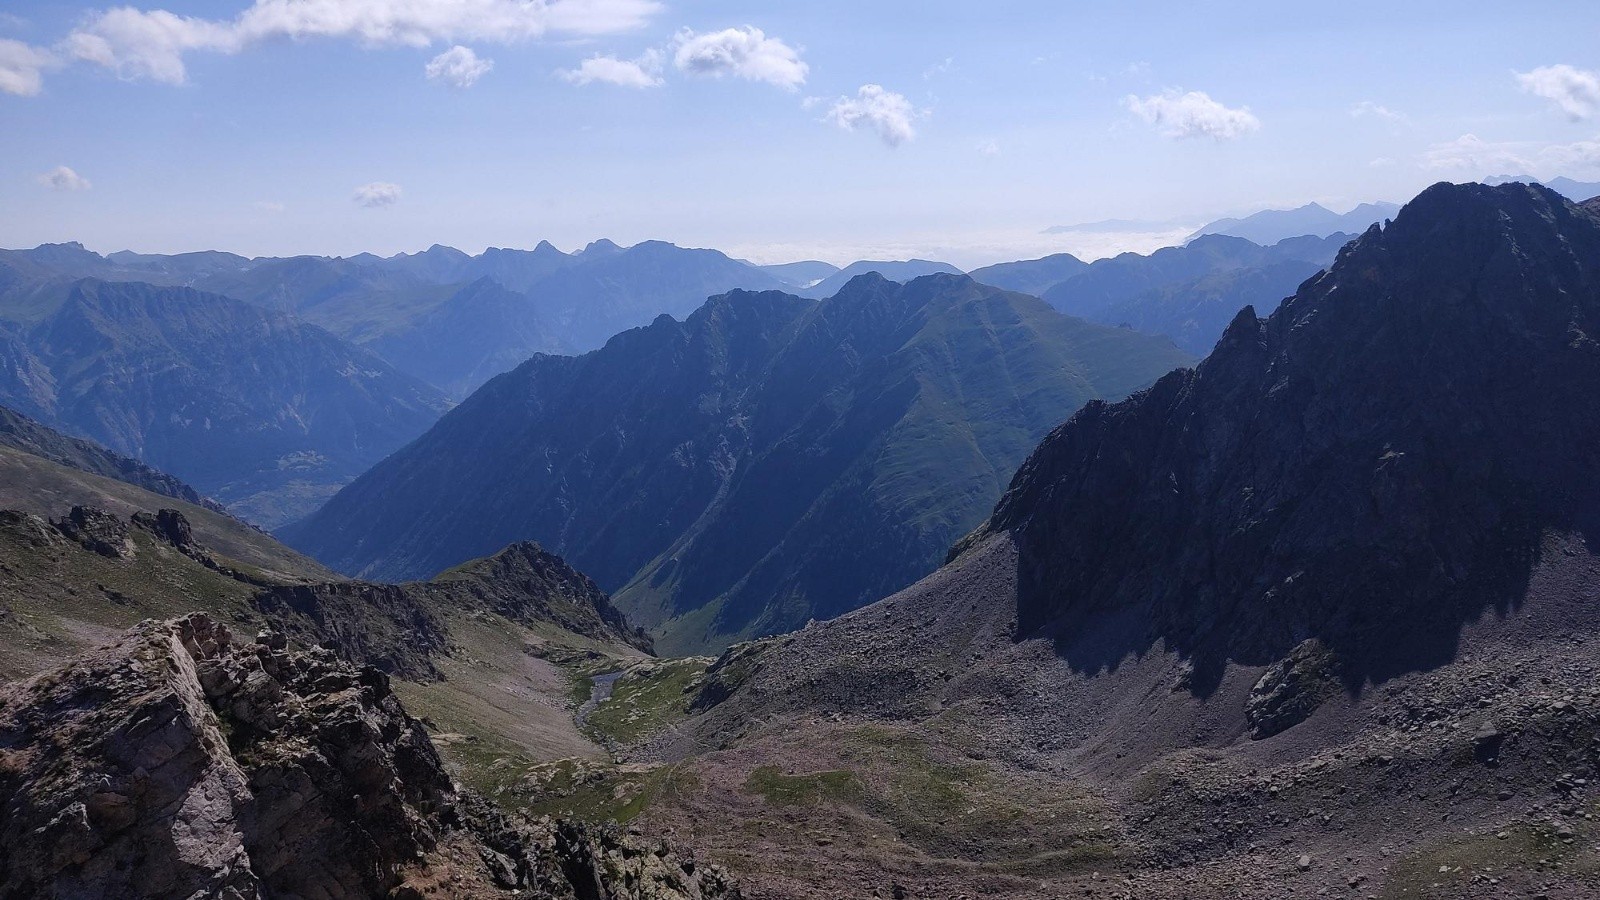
[988, 122]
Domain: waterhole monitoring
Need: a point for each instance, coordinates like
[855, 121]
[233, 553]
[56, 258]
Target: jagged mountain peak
[601, 246]
[1372, 465]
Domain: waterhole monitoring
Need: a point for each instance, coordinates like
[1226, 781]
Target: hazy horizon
[285, 127]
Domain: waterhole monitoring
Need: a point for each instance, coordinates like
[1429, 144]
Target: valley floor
[856, 759]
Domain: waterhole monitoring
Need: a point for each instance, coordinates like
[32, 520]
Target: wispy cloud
[884, 111]
[270, 206]
[376, 194]
[989, 148]
[22, 67]
[152, 44]
[1193, 114]
[458, 67]
[744, 52]
[1368, 109]
[1476, 157]
[1574, 91]
[62, 178]
[643, 72]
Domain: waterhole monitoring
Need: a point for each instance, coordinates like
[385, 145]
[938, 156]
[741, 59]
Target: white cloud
[151, 44]
[745, 52]
[62, 178]
[989, 148]
[1575, 91]
[378, 193]
[22, 67]
[1376, 110]
[1477, 158]
[644, 72]
[270, 206]
[1473, 153]
[1382, 162]
[965, 248]
[1193, 114]
[884, 111]
[458, 67]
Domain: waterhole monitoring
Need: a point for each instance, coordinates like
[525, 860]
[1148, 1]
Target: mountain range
[1189, 293]
[1273, 225]
[264, 413]
[766, 461]
[1576, 191]
[1312, 617]
[895, 270]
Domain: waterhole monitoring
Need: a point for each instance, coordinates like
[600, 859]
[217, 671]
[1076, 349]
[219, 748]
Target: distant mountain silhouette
[428, 313]
[901, 271]
[801, 274]
[1576, 191]
[1190, 293]
[1273, 225]
[1031, 276]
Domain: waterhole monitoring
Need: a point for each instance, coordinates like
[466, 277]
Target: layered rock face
[181, 761]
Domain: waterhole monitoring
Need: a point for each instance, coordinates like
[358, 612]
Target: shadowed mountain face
[769, 460]
[1372, 465]
[266, 415]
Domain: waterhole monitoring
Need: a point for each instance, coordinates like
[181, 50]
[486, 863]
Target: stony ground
[913, 749]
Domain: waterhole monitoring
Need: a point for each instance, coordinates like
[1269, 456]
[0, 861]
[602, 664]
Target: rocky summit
[1375, 464]
[181, 761]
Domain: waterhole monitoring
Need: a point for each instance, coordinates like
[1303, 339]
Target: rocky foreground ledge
[181, 762]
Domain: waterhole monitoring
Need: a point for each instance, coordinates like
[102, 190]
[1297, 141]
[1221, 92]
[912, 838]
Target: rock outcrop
[183, 762]
[402, 629]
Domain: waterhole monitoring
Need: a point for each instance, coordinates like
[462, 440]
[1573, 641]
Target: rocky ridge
[401, 629]
[181, 761]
